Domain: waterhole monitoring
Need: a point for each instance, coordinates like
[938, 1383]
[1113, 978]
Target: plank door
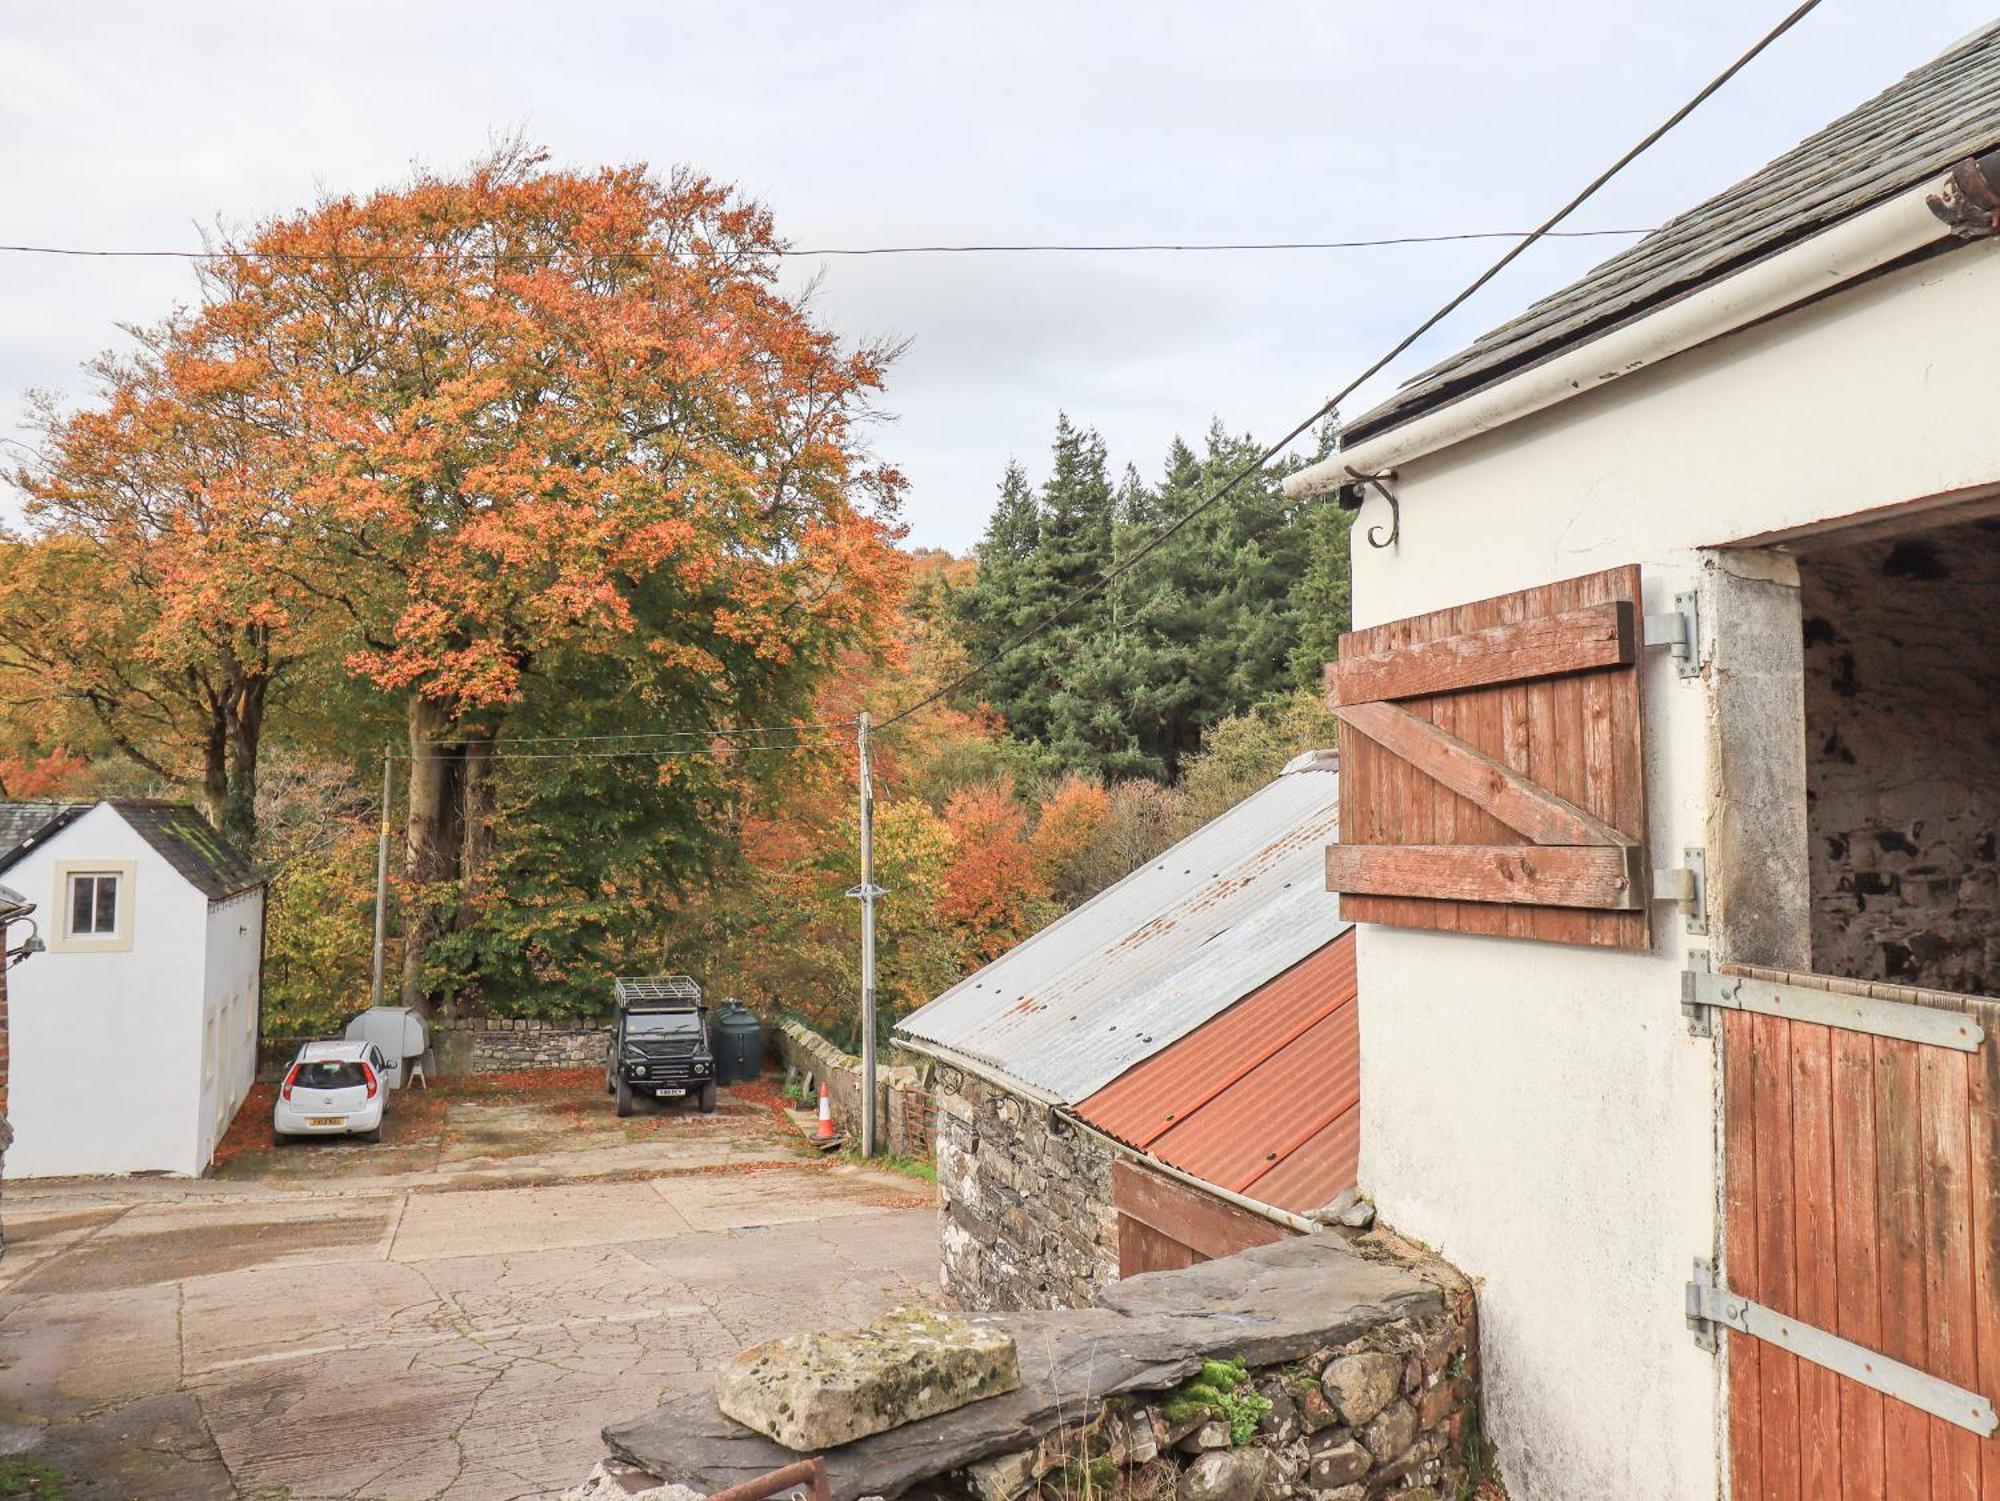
[1861, 1178]
[1165, 1224]
[1493, 767]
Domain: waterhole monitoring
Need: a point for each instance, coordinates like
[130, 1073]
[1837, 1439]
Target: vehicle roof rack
[673, 990]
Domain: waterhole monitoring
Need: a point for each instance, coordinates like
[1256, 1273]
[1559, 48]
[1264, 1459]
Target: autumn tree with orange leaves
[513, 426]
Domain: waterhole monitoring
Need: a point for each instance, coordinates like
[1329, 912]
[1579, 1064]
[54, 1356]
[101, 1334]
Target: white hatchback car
[332, 1089]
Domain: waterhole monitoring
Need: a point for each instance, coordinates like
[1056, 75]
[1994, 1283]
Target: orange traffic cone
[825, 1112]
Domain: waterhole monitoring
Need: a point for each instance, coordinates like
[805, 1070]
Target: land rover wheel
[624, 1093]
[707, 1098]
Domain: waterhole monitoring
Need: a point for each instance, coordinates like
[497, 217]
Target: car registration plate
[667, 1091]
[326, 1120]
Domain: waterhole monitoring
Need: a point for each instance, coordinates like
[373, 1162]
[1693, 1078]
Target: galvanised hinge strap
[1711, 1308]
[1929, 1025]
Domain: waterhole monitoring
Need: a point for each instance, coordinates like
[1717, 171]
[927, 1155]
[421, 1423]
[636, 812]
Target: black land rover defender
[660, 1045]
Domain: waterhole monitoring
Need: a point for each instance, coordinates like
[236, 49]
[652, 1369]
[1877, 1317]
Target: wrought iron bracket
[1351, 499]
[1711, 1308]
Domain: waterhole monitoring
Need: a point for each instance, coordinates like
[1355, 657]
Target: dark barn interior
[1902, 721]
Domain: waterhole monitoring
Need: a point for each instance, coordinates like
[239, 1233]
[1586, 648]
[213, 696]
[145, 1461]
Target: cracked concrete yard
[458, 1332]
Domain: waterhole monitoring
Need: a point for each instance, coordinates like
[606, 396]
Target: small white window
[93, 904]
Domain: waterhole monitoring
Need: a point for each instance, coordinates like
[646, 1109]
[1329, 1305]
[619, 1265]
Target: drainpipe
[1962, 204]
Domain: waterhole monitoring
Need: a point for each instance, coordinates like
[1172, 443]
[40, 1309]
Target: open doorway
[1902, 753]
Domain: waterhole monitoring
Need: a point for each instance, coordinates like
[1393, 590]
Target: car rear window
[329, 1073]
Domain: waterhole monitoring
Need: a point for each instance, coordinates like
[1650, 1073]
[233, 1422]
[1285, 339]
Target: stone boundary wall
[1389, 1412]
[1027, 1215]
[1334, 1366]
[903, 1111]
[480, 1045]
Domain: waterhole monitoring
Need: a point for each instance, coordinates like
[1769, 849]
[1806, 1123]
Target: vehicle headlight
[638, 1068]
[701, 1065]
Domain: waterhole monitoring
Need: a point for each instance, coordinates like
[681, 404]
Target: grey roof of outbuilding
[1943, 112]
[24, 825]
[177, 833]
[1146, 961]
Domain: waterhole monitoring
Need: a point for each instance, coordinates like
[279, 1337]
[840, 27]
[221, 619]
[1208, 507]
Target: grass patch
[920, 1168]
[21, 1476]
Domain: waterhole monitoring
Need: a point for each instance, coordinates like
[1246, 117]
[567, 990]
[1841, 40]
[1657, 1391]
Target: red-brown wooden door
[1861, 1196]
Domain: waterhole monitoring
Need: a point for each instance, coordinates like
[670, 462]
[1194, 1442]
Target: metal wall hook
[1375, 537]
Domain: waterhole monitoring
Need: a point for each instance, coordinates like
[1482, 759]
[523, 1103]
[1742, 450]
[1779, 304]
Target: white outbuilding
[133, 1037]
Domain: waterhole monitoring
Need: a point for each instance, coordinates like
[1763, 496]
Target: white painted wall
[1537, 1112]
[229, 1007]
[105, 1047]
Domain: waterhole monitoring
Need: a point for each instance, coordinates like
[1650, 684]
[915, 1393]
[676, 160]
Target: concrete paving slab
[422, 1334]
[268, 1314]
[57, 1351]
[533, 1219]
[159, 1243]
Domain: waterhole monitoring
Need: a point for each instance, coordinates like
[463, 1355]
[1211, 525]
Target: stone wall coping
[1267, 1306]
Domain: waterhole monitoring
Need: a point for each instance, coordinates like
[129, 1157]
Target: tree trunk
[433, 839]
[215, 763]
[244, 723]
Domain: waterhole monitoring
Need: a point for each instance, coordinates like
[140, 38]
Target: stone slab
[1269, 1305]
[1278, 1302]
[1066, 1358]
[816, 1391]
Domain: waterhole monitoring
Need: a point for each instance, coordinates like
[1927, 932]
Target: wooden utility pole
[867, 891]
[381, 889]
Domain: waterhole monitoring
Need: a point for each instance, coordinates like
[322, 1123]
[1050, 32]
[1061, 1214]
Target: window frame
[119, 938]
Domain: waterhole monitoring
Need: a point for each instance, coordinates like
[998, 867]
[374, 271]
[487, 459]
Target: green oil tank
[738, 1040]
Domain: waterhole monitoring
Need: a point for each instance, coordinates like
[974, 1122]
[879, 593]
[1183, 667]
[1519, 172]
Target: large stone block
[814, 1391]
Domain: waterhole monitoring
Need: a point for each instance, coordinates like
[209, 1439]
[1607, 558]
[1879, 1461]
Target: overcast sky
[130, 125]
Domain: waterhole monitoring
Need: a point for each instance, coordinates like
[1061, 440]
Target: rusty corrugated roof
[1264, 1099]
[1155, 956]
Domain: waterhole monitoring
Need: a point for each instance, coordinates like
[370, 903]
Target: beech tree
[515, 419]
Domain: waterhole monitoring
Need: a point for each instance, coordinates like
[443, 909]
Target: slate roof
[179, 834]
[182, 837]
[23, 825]
[1916, 129]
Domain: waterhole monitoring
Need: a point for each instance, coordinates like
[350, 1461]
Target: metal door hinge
[1680, 633]
[1686, 886]
[1711, 1308]
[1932, 1026]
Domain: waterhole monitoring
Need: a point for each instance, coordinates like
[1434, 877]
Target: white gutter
[1852, 248]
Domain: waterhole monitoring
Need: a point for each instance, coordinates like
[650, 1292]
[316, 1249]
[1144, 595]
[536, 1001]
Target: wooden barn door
[1492, 771]
[1861, 1171]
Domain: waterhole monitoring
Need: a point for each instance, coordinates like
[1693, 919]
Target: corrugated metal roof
[1931, 119]
[1264, 1100]
[1148, 960]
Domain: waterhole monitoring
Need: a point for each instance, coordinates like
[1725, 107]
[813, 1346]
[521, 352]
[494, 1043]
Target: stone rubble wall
[481, 1045]
[1027, 1217]
[903, 1111]
[1392, 1413]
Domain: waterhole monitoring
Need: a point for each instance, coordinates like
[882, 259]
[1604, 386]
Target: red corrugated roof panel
[1261, 1100]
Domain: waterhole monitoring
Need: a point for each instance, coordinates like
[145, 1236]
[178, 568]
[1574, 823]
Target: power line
[1542, 231]
[660, 754]
[500, 257]
[720, 732]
